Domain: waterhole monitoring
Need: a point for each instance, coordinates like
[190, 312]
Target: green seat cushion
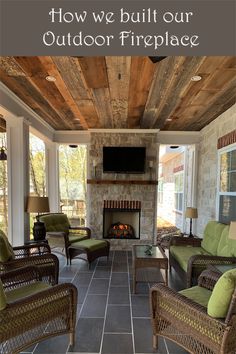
[6, 250]
[90, 244]
[3, 300]
[198, 294]
[211, 237]
[227, 247]
[55, 222]
[183, 253]
[25, 290]
[221, 295]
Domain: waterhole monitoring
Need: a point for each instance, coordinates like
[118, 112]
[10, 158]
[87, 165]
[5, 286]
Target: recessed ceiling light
[196, 78]
[50, 78]
[169, 119]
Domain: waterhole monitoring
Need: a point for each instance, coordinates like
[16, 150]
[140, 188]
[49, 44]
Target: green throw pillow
[6, 250]
[3, 301]
[221, 295]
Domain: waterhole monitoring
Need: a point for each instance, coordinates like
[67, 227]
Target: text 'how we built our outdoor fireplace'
[121, 219]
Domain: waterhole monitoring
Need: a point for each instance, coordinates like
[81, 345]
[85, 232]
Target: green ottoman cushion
[91, 244]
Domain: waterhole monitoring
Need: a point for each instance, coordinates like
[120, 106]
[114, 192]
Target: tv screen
[124, 159]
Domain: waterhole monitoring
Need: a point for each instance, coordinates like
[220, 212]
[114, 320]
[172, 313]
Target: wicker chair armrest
[38, 249]
[46, 259]
[185, 241]
[34, 302]
[201, 259]
[184, 312]
[208, 279]
[14, 278]
[82, 228]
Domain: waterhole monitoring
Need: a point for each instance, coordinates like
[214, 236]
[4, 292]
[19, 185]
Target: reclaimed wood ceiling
[123, 92]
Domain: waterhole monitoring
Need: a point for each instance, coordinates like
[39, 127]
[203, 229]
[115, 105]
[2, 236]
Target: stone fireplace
[121, 219]
[122, 190]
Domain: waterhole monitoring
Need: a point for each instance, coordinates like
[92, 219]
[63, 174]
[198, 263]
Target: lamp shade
[191, 213]
[232, 230]
[37, 204]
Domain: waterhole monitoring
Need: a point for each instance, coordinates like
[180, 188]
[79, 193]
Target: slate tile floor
[111, 320]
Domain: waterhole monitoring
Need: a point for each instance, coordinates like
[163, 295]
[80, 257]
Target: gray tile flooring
[111, 319]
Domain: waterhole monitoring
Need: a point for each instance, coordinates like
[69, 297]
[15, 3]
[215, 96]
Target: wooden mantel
[112, 181]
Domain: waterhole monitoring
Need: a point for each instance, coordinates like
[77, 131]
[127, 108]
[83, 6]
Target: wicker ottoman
[92, 248]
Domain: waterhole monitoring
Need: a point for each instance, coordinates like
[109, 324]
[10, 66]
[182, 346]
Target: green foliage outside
[73, 174]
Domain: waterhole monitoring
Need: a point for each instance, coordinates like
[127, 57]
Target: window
[179, 182]
[37, 166]
[227, 185]
[160, 191]
[3, 188]
[73, 176]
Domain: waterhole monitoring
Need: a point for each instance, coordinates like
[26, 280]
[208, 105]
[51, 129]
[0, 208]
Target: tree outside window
[37, 167]
[179, 191]
[73, 176]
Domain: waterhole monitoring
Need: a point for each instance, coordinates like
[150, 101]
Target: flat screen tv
[124, 159]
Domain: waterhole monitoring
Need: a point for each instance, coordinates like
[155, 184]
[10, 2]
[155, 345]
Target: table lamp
[232, 230]
[38, 205]
[191, 213]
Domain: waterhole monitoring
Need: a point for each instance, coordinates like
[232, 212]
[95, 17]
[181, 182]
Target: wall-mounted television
[124, 159]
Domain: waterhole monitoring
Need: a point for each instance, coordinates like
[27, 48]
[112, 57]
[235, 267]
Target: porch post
[18, 178]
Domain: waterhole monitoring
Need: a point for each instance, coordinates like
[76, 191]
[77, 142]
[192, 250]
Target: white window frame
[220, 152]
[176, 174]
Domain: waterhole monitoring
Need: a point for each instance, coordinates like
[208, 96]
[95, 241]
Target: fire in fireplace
[120, 230]
[121, 219]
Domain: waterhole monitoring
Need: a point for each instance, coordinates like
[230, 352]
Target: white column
[52, 172]
[18, 178]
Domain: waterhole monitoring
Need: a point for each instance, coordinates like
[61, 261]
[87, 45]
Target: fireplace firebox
[121, 219]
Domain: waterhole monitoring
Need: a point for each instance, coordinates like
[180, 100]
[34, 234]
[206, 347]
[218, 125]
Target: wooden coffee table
[147, 268]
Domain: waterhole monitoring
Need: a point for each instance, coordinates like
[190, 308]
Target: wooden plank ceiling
[123, 92]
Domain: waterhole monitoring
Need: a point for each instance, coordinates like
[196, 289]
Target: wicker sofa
[190, 256]
[201, 319]
[60, 234]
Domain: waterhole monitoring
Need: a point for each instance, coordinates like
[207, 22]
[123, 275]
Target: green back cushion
[221, 295]
[25, 290]
[3, 302]
[211, 237]
[198, 294]
[55, 222]
[227, 247]
[6, 250]
[183, 253]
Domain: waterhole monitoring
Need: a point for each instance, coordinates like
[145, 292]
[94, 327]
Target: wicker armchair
[29, 255]
[42, 312]
[187, 323]
[60, 234]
